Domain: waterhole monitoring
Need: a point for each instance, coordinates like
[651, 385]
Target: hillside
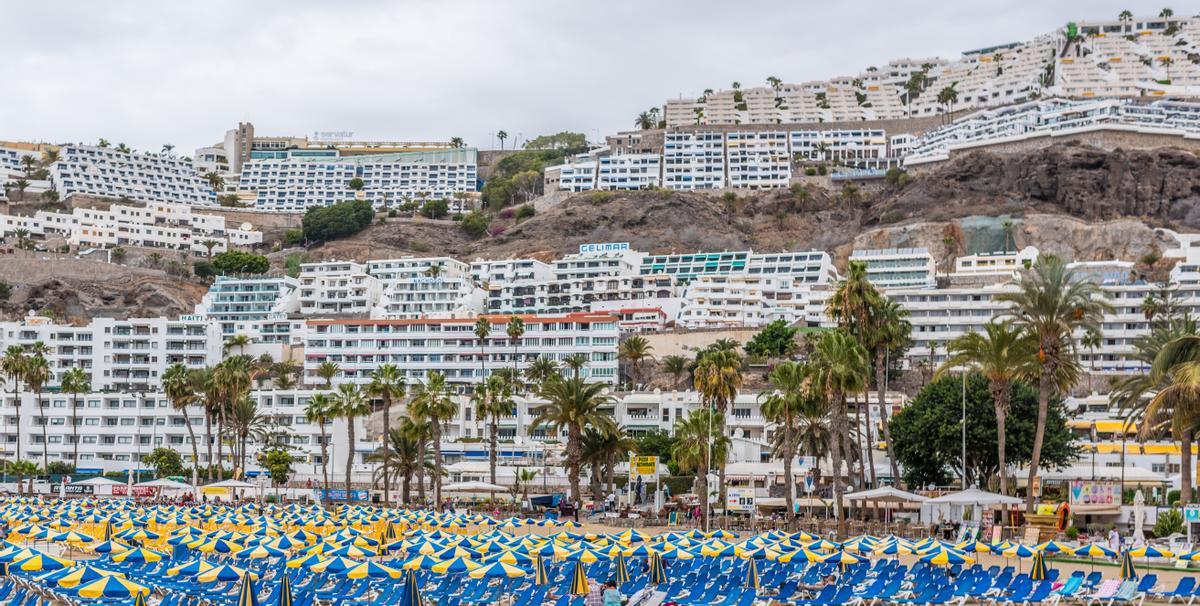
[1079, 202]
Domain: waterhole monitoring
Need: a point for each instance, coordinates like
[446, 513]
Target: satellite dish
[518, 440]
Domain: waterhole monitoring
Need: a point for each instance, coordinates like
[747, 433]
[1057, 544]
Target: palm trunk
[870, 440]
[387, 426]
[349, 454]
[595, 483]
[573, 437]
[324, 459]
[208, 442]
[881, 389]
[702, 481]
[1000, 399]
[75, 432]
[791, 493]
[1038, 436]
[220, 444]
[612, 484]
[421, 470]
[17, 407]
[493, 439]
[187, 421]
[45, 445]
[1185, 467]
[406, 487]
[839, 423]
[437, 463]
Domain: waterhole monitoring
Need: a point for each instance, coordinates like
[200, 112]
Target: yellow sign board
[643, 466]
[213, 490]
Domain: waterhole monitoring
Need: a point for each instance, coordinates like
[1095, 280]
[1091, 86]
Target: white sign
[739, 499]
[808, 483]
[600, 247]
[332, 135]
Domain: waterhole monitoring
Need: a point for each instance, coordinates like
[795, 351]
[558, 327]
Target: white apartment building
[157, 225]
[141, 177]
[432, 287]
[449, 346]
[1056, 117]
[119, 355]
[898, 267]
[10, 160]
[117, 430]
[758, 159]
[593, 293]
[611, 261]
[491, 271]
[694, 160]
[300, 180]
[256, 306]
[338, 288]
[741, 301]
[1005, 263]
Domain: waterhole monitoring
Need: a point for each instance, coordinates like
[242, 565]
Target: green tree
[387, 384]
[340, 220]
[676, 366]
[841, 370]
[541, 369]
[1001, 353]
[239, 262]
[572, 405]
[633, 350]
[782, 406]
[701, 443]
[350, 404]
[515, 330]
[75, 382]
[278, 463]
[117, 253]
[717, 378]
[775, 340]
[165, 461]
[1051, 305]
[320, 409]
[355, 184]
[435, 209]
[656, 443]
[475, 224]
[37, 375]
[432, 401]
[493, 399]
[888, 336]
[406, 457]
[928, 432]
[181, 385]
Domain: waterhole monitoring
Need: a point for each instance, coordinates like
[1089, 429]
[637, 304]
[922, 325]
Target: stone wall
[1106, 139]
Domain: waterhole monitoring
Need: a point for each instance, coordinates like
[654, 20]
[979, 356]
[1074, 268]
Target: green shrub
[5, 290]
[324, 223]
[1169, 522]
[294, 236]
[419, 246]
[525, 211]
[203, 269]
[475, 224]
[810, 172]
[435, 209]
[1072, 533]
[291, 263]
[238, 262]
[600, 197]
[892, 216]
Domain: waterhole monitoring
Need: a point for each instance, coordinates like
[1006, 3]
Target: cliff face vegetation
[1076, 201]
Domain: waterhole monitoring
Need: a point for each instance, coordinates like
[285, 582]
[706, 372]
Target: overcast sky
[152, 72]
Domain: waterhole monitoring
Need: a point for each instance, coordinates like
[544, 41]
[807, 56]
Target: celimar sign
[600, 247]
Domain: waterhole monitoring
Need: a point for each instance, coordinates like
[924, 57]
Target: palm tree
[782, 407]
[327, 371]
[1051, 305]
[483, 328]
[575, 362]
[319, 410]
[350, 404]
[718, 377]
[246, 423]
[37, 374]
[1002, 353]
[889, 331]
[643, 121]
[241, 342]
[433, 401]
[457, 142]
[700, 444]
[75, 382]
[405, 457]
[675, 366]
[841, 368]
[572, 404]
[418, 430]
[501, 136]
[216, 182]
[1125, 15]
[13, 366]
[814, 433]
[387, 384]
[515, 330]
[180, 385]
[948, 96]
[633, 350]
[493, 399]
[541, 369]
[1091, 340]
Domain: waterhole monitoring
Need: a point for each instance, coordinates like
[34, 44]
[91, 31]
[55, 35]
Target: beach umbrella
[1053, 547]
[190, 569]
[111, 587]
[109, 547]
[658, 573]
[1037, 571]
[587, 556]
[333, 565]
[539, 572]
[842, 558]
[499, 569]
[222, 573]
[83, 575]
[247, 596]
[41, 562]
[1093, 550]
[352, 551]
[947, 557]
[285, 591]
[620, 572]
[1018, 551]
[139, 599]
[455, 565]
[72, 537]
[579, 581]
[139, 555]
[1191, 557]
[419, 562]
[370, 570]
[752, 575]
[259, 552]
[412, 593]
[973, 547]
[1127, 569]
[305, 561]
[1150, 551]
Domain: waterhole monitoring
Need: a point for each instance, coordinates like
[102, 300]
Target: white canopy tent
[97, 481]
[473, 486]
[166, 484]
[953, 506]
[885, 494]
[230, 484]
